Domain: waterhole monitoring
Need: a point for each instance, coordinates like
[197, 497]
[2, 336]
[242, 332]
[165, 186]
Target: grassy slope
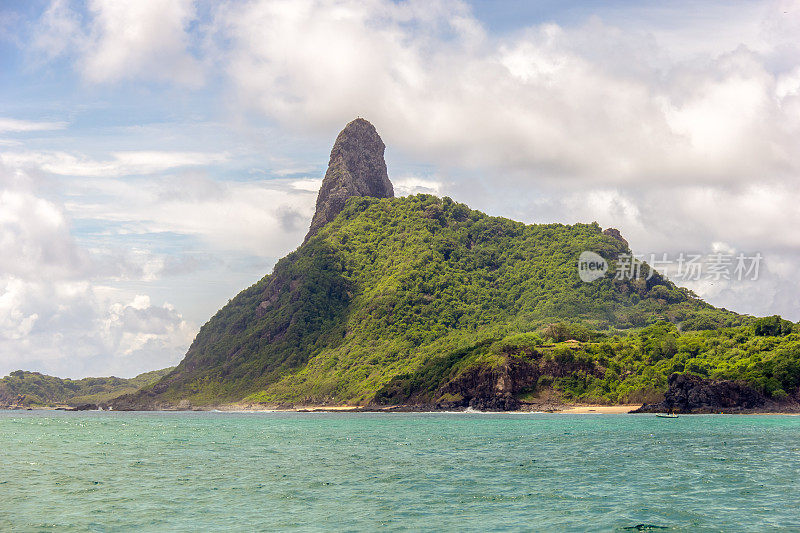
[43, 390]
[393, 286]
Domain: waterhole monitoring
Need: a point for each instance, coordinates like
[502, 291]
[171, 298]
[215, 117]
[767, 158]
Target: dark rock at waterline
[85, 407]
[485, 387]
[489, 388]
[688, 393]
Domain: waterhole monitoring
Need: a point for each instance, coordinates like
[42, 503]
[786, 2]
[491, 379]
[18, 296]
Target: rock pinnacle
[356, 168]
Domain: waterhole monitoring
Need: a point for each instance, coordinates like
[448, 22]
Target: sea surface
[195, 471]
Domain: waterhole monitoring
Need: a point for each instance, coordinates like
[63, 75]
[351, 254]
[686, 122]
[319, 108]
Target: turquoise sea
[194, 471]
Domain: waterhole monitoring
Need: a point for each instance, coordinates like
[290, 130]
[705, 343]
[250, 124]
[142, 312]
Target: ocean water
[63, 471]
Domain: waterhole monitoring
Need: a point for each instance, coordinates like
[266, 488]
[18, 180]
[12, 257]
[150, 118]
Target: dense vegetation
[635, 367]
[411, 292]
[32, 389]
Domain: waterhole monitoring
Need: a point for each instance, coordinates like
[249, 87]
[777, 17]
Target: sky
[158, 156]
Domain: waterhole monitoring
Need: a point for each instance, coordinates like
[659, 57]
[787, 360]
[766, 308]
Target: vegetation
[634, 367]
[405, 293]
[32, 389]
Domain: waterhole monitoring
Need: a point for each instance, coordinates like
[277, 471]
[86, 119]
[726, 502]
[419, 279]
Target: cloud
[265, 218]
[291, 220]
[122, 40]
[592, 102]
[36, 240]
[121, 163]
[408, 185]
[133, 326]
[540, 102]
[56, 316]
[307, 184]
[15, 125]
[147, 37]
[68, 329]
[57, 32]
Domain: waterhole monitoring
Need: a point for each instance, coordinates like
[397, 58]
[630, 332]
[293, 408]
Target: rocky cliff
[688, 393]
[356, 168]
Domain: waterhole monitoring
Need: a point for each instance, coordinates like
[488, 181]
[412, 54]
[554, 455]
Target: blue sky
[156, 157]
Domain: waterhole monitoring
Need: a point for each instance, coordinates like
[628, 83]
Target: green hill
[397, 297]
[32, 389]
[421, 300]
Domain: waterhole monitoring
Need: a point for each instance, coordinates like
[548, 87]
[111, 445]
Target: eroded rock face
[356, 168]
[487, 388]
[692, 394]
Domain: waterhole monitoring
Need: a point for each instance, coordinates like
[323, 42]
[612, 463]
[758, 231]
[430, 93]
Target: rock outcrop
[688, 393]
[614, 232]
[488, 388]
[356, 168]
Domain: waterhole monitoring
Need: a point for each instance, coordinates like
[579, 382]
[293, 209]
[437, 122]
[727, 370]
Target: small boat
[666, 415]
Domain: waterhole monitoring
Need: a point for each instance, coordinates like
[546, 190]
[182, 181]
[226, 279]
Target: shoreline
[343, 408]
[583, 409]
[559, 409]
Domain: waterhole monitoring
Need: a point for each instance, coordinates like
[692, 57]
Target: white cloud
[123, 40]
[16, 125]
[55, 315]
[592, 103]
[122, 163]
[58, 30]
[142, 38]
[68, 329]
[266, 218]
[408, 185]
[538, 103]
[131, 327]
[308, 184]
[35, 239]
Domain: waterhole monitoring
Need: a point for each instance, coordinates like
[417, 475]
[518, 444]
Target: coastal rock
[356, 168]
[688, 393]
[85, 407]
[488, 388]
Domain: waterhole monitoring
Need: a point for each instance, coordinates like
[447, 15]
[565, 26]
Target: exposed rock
[613, 232]
[493, 386]
[688, 393]
[85, 407]
[356, 168]
[488, 388]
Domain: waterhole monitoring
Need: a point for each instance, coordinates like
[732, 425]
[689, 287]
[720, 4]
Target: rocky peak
[356, 168]
[613, 232]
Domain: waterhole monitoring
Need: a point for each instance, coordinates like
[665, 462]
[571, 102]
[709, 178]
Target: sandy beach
[557, 409]
[600, 409]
